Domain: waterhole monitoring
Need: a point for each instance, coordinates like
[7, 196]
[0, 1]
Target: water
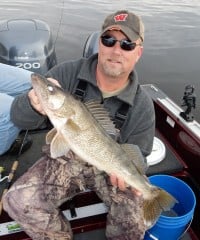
[171, 49]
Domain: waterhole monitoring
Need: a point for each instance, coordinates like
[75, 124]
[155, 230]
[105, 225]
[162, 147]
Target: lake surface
[172, 36]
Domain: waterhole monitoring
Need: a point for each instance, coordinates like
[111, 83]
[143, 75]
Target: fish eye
[50, 88]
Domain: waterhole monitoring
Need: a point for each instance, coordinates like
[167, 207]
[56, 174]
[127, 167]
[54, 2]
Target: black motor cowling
[91, 44]
[27, 43]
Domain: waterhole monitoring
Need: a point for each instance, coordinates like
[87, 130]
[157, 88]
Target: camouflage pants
[34, 200]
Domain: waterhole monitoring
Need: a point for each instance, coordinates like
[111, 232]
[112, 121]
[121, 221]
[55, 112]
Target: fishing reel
[189, 100]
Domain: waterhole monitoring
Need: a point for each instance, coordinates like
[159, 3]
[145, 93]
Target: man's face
[115, 61]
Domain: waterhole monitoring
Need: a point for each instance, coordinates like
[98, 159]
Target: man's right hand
[35, 103]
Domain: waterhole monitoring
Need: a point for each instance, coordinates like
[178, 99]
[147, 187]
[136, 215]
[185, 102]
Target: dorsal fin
[102, 116]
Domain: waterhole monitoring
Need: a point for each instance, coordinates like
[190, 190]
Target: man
[109, 77]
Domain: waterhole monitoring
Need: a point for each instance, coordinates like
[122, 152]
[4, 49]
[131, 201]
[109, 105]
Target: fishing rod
[12, 172]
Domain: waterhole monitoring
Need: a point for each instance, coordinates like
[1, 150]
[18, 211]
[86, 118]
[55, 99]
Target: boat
[176, 152]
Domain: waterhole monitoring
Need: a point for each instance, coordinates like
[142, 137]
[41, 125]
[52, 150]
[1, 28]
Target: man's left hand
[120, 183]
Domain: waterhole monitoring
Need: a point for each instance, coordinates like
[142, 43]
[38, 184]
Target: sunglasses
[126, 45]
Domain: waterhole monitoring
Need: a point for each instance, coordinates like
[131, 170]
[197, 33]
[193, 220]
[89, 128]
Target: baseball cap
[127, 22]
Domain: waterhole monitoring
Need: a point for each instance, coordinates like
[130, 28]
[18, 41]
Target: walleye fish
[80, 127]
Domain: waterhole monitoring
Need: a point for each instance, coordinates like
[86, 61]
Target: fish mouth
[35, 79]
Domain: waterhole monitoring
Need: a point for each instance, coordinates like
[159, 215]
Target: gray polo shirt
[139, 126]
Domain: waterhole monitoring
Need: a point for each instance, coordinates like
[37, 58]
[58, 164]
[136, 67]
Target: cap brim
[130, 34]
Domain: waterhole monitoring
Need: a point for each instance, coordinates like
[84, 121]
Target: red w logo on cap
[121, 17]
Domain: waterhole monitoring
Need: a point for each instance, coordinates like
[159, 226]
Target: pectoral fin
[50, 135]
[73, 126]
[59, 146]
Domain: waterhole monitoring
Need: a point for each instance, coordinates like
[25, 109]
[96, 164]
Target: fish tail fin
[153, 207]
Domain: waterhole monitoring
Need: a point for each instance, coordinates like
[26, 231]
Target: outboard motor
[28, 44]
[91, 45]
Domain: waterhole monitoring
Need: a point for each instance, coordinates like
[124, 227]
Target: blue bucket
[173, 225]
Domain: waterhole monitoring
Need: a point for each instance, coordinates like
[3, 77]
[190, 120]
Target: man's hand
[35, 103]
[119, 182]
